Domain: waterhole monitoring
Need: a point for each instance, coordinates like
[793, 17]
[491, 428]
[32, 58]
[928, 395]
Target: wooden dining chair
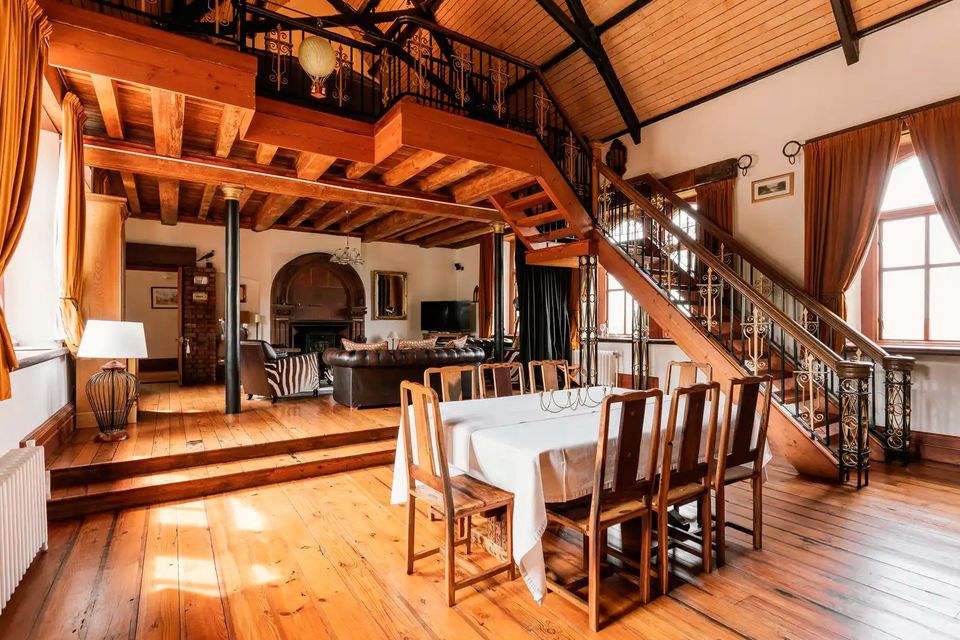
[627, 496]
[686, 468]
[502, 375]
[457, 498]
[688, 373]
[740, 453]
[552, 372]
[456, 382]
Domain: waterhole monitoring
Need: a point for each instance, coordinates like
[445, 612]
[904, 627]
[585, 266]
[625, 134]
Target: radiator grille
[23, 515]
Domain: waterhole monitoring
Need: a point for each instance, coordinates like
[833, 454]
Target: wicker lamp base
[112, 392]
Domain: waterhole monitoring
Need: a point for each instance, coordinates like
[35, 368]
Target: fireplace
[317, 336]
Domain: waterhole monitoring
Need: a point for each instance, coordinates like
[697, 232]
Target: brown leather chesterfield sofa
[372, 378]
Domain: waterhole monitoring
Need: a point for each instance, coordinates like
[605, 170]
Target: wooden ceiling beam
[457, 234]
[429, 228]
[356, 170]
[307, 211]
[111, 155]
[335, 215]
[130, 189]
[270, 211]
[583, 32]
[265, 153]
[414, 164]
[209, 190]
[393, 224]
[168, 112]
[487, 184]
[364, 217]
[311, 166]
[169, 200]
[456, 170]
[847, 27]
[106, 91]
[227, 131]
[244, 198]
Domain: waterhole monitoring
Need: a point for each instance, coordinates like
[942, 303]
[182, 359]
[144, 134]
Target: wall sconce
[744, 162]
[791, 150]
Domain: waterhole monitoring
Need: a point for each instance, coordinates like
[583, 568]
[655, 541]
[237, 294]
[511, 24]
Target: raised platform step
[79, 492]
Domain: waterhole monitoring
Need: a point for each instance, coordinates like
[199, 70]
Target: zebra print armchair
[264, 373]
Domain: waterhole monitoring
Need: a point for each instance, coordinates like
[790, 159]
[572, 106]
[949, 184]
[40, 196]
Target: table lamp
[113, 390]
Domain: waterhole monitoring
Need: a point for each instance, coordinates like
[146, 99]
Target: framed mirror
[389, 295]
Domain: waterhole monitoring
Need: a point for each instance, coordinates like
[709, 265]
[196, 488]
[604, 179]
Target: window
[619, 308]
[914, 267]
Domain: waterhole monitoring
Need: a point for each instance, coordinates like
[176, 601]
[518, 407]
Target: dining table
[527, 445]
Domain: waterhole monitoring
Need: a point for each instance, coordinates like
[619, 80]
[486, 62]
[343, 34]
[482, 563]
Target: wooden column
[103, 270]
[231, 194]
[497, 291]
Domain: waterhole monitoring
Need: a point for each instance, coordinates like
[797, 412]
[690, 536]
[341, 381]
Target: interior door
[181, 343]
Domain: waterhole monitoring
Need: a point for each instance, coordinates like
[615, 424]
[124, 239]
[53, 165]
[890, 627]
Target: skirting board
[936, 447]
[55, 430]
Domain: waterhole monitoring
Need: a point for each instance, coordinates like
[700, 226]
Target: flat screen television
[445, 316]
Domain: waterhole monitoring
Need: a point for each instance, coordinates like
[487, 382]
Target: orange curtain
[23, 52]
[936, 137]
[844, 179]
[715, 202]
[71, 217]
[485, 297]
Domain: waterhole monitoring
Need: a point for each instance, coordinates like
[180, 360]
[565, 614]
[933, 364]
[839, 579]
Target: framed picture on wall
[772, 188]
[243, 293]
[163, 297]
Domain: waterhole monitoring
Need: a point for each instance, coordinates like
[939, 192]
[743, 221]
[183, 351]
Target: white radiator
[608, 366]
[23, 515]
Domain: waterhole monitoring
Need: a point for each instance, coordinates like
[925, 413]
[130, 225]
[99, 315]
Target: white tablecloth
[539, 457]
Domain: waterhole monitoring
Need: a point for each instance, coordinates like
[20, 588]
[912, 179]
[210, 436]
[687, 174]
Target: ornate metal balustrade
[824, 393]
[890, 384]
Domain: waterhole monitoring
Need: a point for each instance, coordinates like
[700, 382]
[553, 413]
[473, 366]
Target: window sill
[27, 357]
[922, 349]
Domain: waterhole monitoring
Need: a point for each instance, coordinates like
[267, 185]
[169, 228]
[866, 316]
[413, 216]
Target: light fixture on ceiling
[348, 256]
[318, 60]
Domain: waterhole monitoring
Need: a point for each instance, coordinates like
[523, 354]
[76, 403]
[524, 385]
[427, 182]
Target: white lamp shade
[113, 339]
[316, 57]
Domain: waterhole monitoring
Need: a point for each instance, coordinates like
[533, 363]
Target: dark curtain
[936, 137]
[715, 203]
[544, 294]
[486, 288]
[844, 179]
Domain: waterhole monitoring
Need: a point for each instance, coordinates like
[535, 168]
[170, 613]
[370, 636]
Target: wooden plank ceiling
[667, 54]
[150, 125]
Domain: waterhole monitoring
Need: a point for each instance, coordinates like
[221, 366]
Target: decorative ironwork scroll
[541, 105]
[279, 46]
[764, 286]
[756, 331]
[854, 443]
[462, 66]
[709, 293]
[343, 66]
[219, 13]
[499, 79]
[570, 152]
[898, 388]
[641, 346]
[419, 47]
[588, 319]
[810, 384]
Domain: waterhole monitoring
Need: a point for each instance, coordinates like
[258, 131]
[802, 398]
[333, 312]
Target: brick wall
[200, 326]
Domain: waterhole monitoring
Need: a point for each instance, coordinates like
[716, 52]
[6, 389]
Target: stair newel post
[588, 319]
[854, 445]
[898, 386]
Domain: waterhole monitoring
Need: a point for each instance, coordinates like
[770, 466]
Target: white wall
[32, 294]
[908, 65]
[431, 274]
[160, 325]
[37, 393]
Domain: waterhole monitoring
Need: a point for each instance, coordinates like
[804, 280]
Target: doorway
[154, 297]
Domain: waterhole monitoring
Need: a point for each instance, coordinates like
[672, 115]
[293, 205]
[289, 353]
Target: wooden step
[550, 236]
[146, 489]
[538, 219]
[528, 202]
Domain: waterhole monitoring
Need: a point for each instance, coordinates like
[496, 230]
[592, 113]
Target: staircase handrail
[810, 342]
[867, 346]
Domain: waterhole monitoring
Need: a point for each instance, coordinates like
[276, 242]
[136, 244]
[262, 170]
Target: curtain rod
[897, 116]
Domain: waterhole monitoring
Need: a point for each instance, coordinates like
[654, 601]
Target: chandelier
[347, 256]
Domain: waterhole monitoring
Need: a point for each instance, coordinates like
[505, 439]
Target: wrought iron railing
[824, 393]
[891, 382]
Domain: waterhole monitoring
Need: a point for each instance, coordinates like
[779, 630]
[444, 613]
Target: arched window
[913, 271]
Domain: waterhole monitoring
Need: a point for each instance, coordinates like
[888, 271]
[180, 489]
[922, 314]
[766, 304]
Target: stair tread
[525, 202]
[161, 478]
[548, 236]
[537, 219]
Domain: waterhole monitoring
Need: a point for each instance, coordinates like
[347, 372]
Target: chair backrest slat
[688, 373]
[551, 373]
[502, 376]
[747, 399]
[634, 463]
[457, 382]
[693, 448]
[420, 406]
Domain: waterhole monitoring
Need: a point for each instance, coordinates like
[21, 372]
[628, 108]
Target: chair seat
[679, 494]
[469, 496]
[576, 514]
[738, 473]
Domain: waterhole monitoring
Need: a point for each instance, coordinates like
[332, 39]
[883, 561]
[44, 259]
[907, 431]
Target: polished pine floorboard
[323, 558]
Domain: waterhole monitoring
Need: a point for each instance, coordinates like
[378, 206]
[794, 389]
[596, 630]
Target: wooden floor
[175, 420]
[323, 558]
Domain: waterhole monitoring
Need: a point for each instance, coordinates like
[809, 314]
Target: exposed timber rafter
[847, 27]
[585, 35]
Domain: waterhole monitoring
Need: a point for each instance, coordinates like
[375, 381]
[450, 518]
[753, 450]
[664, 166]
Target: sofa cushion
[350, 345]
[427, 343]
